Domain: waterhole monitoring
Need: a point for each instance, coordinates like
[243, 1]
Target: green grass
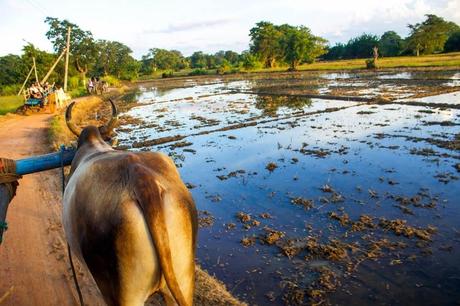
[9, 104]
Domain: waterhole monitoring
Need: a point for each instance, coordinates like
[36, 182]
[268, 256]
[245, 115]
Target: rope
[69, 253]
[9, 179]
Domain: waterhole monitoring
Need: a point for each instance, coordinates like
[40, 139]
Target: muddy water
[311, 200]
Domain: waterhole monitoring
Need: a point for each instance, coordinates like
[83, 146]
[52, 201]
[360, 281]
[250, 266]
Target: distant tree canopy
[431, 35]
[98, 57]
[427, 37]
[114, 58]
[390, 44]
[162, 59]
[300, 46]
[285, 43]
[82, 44]
[453, 43]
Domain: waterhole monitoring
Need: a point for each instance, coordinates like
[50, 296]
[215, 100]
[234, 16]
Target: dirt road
[34, 268]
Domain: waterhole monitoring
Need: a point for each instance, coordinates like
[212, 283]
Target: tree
[391, 44]
[299, 45]
[115, 58]
[44, 61]
[163, 59]
[12, 70]
[453, 43]
[265, 39]
[232, 57]
[335, 52]
[361, 46]
[431, 35]
[250, 61]
[198, 60]
[82, 45]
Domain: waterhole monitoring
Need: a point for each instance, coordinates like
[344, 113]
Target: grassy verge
[59, 134]
[9, 104]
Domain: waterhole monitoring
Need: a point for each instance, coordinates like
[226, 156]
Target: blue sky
[209, 25]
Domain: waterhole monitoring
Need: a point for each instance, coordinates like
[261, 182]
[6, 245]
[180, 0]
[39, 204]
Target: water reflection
[331, 169]
[270, 104]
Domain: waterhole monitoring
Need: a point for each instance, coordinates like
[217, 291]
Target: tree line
[270, 46]
[433, 35]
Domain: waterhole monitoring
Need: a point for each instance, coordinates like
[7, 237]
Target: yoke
[16, 168]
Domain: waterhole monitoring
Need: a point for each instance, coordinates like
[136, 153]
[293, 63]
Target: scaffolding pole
[27, 78]
[52, 67]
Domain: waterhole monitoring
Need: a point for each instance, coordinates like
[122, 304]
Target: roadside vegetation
[10, 104]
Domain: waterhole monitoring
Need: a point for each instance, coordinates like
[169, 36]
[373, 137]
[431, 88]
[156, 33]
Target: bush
[74, 82]
[111, 80]
[8, 90]
[10, 103]
[167, 74]
[198, 71]
[250, 61]
[78, 92]
[371, 64]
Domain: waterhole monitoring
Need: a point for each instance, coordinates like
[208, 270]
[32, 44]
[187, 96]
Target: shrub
[111, 80]
[167, 74]
[78, 92]
[198, 71]
[74, 82]
[8, 90]
[371, 64]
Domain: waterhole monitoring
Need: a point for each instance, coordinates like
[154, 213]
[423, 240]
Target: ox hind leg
[139, 267]
[181, 242]
[123, 260]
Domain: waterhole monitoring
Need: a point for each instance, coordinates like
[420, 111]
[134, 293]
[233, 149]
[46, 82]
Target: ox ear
[68, 120]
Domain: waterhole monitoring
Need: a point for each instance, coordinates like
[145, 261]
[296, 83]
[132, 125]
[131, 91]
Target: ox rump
[129, 217]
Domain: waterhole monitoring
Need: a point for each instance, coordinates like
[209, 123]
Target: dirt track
[34, 268]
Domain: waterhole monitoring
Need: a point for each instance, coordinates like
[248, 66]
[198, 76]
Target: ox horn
[68, 118]
[114, 119]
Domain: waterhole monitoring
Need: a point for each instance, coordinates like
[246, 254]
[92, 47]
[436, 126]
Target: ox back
[129, 217]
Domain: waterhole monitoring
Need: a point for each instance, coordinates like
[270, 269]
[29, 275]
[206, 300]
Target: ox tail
[149, 195]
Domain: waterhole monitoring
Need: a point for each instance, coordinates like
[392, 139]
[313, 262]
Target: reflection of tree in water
[132, 96]
[270, 104]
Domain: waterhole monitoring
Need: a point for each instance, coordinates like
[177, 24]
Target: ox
[129, 217]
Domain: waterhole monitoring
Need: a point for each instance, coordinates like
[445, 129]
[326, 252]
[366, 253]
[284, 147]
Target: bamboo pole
[35, 68]
[27, 78]
[52, 67]
[67, 58]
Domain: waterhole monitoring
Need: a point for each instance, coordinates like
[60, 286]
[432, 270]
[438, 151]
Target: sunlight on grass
[9, 104]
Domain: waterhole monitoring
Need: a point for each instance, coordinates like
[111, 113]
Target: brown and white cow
[129, 217]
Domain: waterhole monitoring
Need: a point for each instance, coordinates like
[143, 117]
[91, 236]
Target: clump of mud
[271, 166]
[305, 203]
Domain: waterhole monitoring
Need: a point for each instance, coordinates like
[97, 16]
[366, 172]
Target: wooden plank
[27, 78]
[52, 67]
[67, 58]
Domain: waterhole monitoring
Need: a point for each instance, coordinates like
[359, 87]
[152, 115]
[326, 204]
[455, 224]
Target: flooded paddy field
[338, 188]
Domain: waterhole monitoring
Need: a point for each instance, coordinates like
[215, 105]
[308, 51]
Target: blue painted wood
[45, 162]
